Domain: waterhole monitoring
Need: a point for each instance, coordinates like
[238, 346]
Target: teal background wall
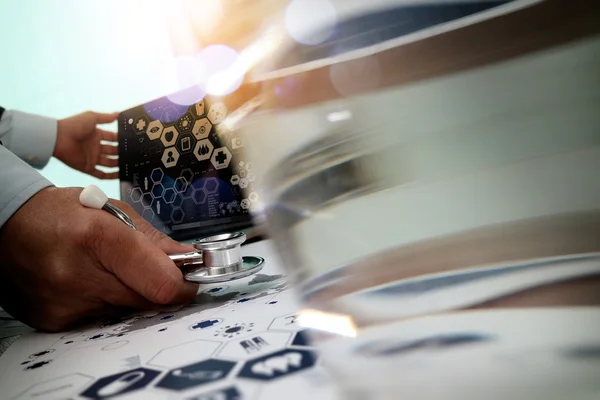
[62, 57]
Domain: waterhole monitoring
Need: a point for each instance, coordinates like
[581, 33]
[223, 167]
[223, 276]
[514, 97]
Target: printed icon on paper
[201, 373]
[231, 331]
[207, 323]
[59, 388]
[286, 323]
[221, 158]
[278, 365]
[254, 344]
[229, 393]
[121, 383]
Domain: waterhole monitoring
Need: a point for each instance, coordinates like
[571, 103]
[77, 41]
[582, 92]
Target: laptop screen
[182, 171]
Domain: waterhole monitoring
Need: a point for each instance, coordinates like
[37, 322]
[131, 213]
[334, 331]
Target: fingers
[164, 242]
[108, 162]
[106, 118]
[143, 266]
[97, 173]
[109, 150]
[108, 136]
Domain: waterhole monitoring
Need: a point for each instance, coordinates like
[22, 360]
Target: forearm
[18, 183]
[30, 137]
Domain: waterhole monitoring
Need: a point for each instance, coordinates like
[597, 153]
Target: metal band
[114, 210]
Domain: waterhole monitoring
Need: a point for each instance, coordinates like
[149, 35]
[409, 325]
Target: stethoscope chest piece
[218, 259]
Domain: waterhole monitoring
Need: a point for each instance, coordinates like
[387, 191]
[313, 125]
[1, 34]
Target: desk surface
[239, 340]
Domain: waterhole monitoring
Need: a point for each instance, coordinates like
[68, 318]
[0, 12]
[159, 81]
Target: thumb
[106, 118]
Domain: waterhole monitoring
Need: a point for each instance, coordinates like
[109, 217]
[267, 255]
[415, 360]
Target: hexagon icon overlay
[170, 157]
[199, 108]
[184, 124]
[183, 354]
[217, 113]
[203, 150]
[140, 124]
[198, 374]
[201, 128]
[211, 185]
[221, 158]
[169, 136]
[155, 129]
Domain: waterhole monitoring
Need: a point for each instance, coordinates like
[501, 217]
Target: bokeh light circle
[222, 73]
[310, 22]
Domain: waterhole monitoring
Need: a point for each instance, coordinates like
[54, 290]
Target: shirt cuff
[19, 183]
[31, 137]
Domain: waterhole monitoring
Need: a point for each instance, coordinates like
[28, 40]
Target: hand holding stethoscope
[217, 259]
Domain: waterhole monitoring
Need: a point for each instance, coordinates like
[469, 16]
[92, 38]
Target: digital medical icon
[217, 113]
[201, 128]
[140, 124]
[245, 204]
[221, 158]
[199, 108]
[236, 143]
[203, 149]
[169, 136]
[185, 144]
[155, 129]
[170, 157]
[184, 124]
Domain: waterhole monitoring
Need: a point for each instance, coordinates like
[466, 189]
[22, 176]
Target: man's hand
[61, 262]
[78, 144]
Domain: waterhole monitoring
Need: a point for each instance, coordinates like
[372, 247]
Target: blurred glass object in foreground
[432, 172]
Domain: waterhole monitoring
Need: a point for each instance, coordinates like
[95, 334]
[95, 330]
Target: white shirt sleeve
[19, 182]
[31, 137]
[24, 137]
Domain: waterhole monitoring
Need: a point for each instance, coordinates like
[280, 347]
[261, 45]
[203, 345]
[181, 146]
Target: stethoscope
[217, 258]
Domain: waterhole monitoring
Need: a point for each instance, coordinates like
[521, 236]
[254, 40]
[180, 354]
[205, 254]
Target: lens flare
[338, 324]
[310, 22]
[218, 62]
